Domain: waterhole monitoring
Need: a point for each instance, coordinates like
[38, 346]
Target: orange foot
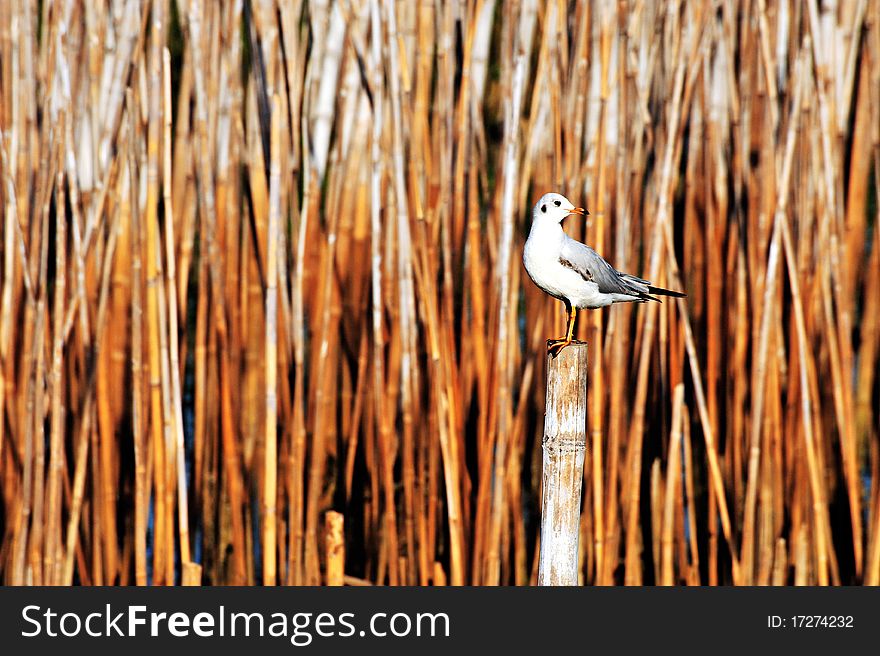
[556, 345]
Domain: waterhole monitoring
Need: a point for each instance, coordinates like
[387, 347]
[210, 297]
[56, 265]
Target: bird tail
[665, 292]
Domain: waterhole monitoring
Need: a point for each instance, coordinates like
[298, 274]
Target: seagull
[573, 272]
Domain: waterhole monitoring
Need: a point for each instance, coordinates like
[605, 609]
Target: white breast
[541, 260]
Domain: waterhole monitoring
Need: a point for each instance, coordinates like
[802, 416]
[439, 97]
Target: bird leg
[556, 345]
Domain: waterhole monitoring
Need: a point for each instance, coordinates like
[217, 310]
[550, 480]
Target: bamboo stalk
[673, 486]
[271, 437]
[563, 446]
[171, 292]
[52, 552]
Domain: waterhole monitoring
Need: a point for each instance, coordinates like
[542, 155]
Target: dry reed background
[261, 260]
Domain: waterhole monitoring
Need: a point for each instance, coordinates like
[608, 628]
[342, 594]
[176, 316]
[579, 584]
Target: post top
[574, 354]
[574, 343]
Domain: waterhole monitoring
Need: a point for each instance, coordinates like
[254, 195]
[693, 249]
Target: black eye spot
[557, 203]
[543, 208]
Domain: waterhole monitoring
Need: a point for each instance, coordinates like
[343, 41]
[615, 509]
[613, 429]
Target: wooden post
[192, 574]
[334, 541]
[565, 440]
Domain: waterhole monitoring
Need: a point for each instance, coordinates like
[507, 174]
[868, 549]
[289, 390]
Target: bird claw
[556, 345]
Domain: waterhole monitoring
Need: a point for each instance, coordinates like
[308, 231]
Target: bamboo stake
[334, 548]
[564, 445]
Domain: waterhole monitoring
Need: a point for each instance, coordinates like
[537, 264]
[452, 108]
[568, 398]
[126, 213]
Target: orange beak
[579, 210]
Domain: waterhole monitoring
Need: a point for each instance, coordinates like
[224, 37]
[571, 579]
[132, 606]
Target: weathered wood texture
[565, 439]
[334, 542]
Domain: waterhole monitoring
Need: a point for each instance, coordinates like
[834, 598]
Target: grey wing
[593, 267]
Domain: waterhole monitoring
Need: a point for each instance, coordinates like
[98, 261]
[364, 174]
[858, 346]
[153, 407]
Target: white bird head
[554, 207]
